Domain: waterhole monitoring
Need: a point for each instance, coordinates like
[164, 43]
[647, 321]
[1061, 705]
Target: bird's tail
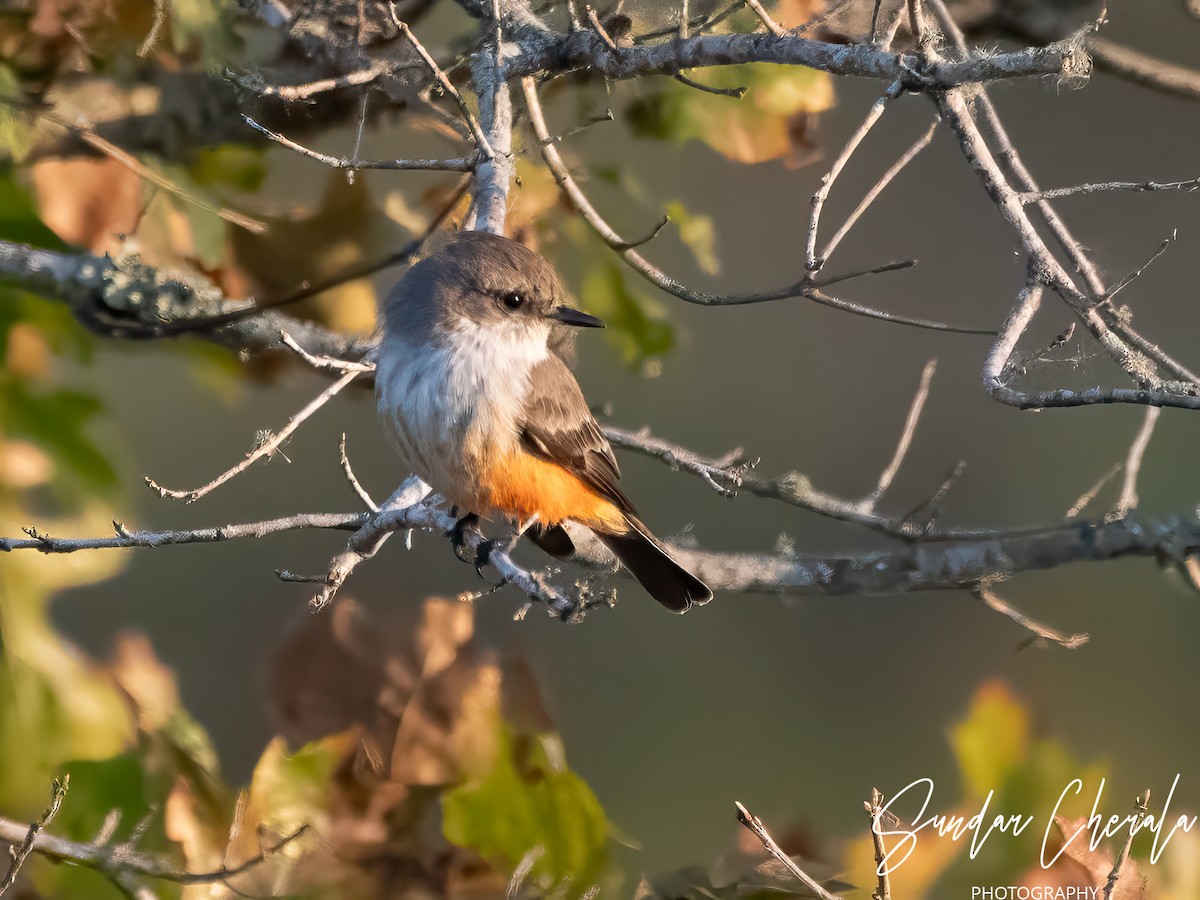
[648, 561]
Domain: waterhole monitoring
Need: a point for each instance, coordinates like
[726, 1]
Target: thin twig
[1103, 186]
[1137, 273]
[264, 448]
[1085, 499]
[86, 130]
[462, 164]
[805, 288]
[161, 9]
[1128, 500]
[354, 482]
[1141, 806]
[124, 862]
[756, 827]
[874, 808]
[772, 26]
[906, 436]
[447, 85]
[19, 853]
[1044, 632]
[1143, 68]
[601, 32]
[897, 167]
[811, 261]
[324, 362]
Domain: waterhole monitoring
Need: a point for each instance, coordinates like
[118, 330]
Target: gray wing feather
[558, 426]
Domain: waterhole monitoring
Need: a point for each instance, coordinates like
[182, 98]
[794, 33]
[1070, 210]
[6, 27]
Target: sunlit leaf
[634, 321]
[19, 220]
[525, 802]
[698, 234]
[57, 421]
[992, 739]
[16, 132]
[231, 165]
[767, 123]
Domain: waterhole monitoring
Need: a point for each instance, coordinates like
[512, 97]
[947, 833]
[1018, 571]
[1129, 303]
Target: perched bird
[474, 393]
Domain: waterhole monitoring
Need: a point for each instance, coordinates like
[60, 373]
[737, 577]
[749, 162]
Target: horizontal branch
[124, 297]
[943, 564]
[118, 860]
[585, 49]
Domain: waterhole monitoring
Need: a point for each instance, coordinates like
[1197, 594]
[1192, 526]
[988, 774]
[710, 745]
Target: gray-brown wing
[558, 426]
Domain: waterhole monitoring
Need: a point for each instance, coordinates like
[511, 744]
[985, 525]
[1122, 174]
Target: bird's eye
[513, 300]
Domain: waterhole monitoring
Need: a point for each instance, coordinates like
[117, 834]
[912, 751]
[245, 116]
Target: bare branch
[906, 436]
[772, 26]
[20, 852]
[1143, 68]
[811, 262]
[447, 85]
[805, 288]
[897, 167]
[874, 808]
[1128, 500]
[266, 447]
[586, 49]
[1044, 632]
[1085, 499]
[161, 9]
[354, 483]
[463, 164]
[756, 827]
[324, 362]
[1141, 806]
[1103, 186]
[124, 862]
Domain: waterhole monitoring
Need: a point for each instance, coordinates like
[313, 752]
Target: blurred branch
[124, 297]
[1141, 806]
[19, 852]
[122, 862]
[1144, 69]
[756, 827]
[461, 164]
[874, 808]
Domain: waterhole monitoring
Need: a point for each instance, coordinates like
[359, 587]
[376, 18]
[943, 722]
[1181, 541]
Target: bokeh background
[796, 707]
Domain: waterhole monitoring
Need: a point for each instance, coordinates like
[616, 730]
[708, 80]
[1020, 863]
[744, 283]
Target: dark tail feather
[664, 579]
[553, 540]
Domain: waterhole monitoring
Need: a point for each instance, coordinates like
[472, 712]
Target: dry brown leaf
[88, 202]
[793, 13]
[346, 231]
[1081, 866]
[149, 684]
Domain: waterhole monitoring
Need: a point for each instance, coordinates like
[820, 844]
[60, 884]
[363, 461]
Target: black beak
[569, 316]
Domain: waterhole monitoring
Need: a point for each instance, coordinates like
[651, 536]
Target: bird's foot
[458, 534]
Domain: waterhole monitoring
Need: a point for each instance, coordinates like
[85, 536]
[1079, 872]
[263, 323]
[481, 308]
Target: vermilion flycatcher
[474, 393]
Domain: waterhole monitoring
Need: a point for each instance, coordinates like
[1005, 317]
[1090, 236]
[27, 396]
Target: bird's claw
[458, 534]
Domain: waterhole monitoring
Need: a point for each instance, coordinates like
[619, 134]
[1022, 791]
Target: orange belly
[522, 486]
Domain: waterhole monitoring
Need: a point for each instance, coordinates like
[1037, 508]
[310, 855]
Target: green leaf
[16, 132]
[698, 235]
[205, 27]
[992, 740]
[526, 802]
[634, 321]
[56, 421]
[19, 219]
[233, 165]
[766, 123]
